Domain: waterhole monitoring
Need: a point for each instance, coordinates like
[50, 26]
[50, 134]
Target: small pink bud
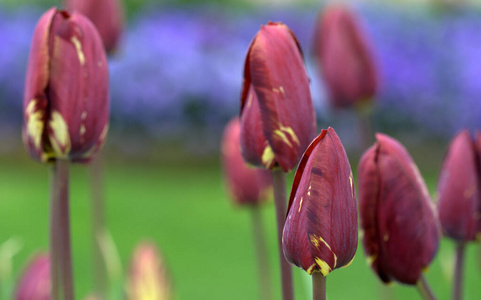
[247, 185]
[148, 278]
[320, 233]
[35, 281]
[66, 101]
[277, 115]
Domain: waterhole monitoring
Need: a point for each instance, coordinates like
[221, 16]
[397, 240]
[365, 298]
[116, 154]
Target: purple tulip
[398, 218]
[277, 115]
[35, 281]
[66, 101]
[320, 233]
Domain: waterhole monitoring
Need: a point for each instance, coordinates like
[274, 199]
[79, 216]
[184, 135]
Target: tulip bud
[320, 233]
[106, 15]
[459, 203]
[344, 57]
[248, 186]
[277, 115]
[66, 101]
[35, 281]
[148, 278]
[399, 221]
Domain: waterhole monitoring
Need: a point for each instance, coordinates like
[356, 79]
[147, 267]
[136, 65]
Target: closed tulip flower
[277, 114]
[66, 101]
[459, 201]
[35, 281]
[345, 57]
[247, 185]
[148, 278]
[107, 16]
[399, 221]
[320, 233]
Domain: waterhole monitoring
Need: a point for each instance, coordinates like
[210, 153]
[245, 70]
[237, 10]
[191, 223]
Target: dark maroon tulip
[398, 218]
[35, 281]
[320, 233]
[148, 278]
[66, 101]
[107, 16]
[277, 115]
[247, 185]
[344, 57]
[459, 203]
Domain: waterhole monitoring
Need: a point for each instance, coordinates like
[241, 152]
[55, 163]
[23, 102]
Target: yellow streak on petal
[310, 269]
[300, 204]
[283, 137]
[351, 183]
[386, 237]
[324, 267]
[84, 115]
[82, 129]
[371, 259]
[59, 138]
[78, 48]
[249, 101]
[34, 123]
[268, 156]
[281, 88]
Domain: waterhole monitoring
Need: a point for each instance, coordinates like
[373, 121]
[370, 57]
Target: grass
[181, 205]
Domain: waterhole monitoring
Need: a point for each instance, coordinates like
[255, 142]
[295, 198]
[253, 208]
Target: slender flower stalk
[458, 272]
[261, 253]
[318, 286]
[424, 289]
[279, 183]
[54, 236]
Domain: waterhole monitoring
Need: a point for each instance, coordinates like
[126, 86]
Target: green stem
[458, 272]
[279, 183]
[64, 228]
[424, 289]
[54, 246]
[318, 286]
[97, 211]
[261, 251]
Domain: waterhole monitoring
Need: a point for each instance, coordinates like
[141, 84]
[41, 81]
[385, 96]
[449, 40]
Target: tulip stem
[54, 246]
[97, 211]
[279, 184]
[424, 289]
[63, 250]
[318, 286]
[261, 251]
[458, 273]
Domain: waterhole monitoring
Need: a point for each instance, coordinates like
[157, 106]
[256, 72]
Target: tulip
[66, 102]
[66, 109]
[320, 233]
[399, 221]
[148, 278]
[345, 58]
[35, 281]
[459, 202]
[277, 115]
[247, 185]
[107, 16]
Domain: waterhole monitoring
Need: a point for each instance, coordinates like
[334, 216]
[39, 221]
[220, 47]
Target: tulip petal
[275, 69]
[321, 228]
[247, 185]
